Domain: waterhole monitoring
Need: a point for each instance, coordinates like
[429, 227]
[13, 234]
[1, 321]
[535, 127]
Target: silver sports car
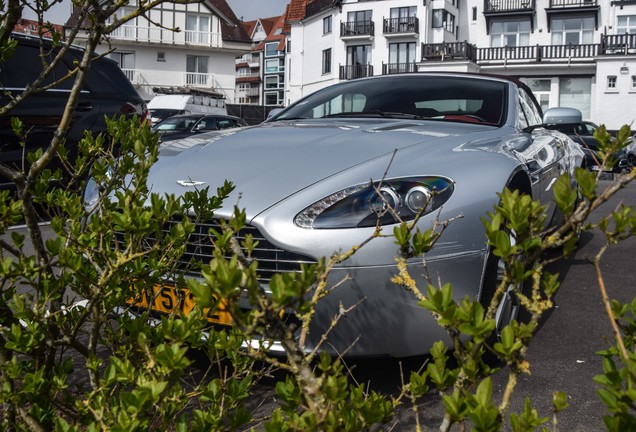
[303, 178]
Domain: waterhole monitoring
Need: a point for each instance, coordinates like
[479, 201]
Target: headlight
[363, 205]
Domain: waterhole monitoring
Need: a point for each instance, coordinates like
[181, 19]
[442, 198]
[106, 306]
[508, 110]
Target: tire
[509, 307]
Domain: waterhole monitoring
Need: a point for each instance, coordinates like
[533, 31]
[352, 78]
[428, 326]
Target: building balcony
[248, 61]
[624, 44]
[554, 4]
[194, 79]
[247, 92]
[538, 53]
[398, 68]
[132, 75]
[357, 29]
[248, 79]
[348, 72]
[156, 35]
[448, 51]
[508, 6]
[610, 45]
[560, 7]
[401, 26]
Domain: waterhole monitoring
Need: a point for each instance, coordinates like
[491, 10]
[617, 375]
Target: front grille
[200, 246]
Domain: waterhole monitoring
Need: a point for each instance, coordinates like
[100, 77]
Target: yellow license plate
[168, 299]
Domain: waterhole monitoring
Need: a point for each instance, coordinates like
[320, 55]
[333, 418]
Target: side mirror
[273, 112]
[557, 116]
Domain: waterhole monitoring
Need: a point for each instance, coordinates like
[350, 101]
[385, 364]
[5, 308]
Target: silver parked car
[304, 175]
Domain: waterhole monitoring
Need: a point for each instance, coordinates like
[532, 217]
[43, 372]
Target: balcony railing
[397, 68]
[247, 92]
[494, 6]
[159, 35]
[401, 25]
[247, 74]
[538, 53]
[130, 74]
[572, 3]
[610, 45]
[348, 72]
[618, 44]
[448, 51]
[357, 28]
[197, 79]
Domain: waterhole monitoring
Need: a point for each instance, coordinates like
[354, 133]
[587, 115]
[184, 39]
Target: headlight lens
[363, 205]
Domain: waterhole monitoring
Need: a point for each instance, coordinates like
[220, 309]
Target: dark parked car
[181, 126]
[583, 134]
[106, 93]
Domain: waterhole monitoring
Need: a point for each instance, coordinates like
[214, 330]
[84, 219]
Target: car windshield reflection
[459, 99]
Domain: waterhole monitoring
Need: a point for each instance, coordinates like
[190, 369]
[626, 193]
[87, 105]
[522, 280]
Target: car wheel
[509, 307]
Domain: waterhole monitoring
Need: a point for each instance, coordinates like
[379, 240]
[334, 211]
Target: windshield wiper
[376, 113]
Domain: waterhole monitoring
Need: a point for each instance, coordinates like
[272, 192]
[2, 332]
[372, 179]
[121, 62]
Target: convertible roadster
[313, 178]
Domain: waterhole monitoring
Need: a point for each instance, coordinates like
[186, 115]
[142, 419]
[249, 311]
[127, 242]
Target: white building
[201, 56]
[577, 53]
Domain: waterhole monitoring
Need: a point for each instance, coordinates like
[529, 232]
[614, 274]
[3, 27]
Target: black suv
[107, 92]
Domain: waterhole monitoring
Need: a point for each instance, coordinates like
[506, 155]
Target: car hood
[270, 162]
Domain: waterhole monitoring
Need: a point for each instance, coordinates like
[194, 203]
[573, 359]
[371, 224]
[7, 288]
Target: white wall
[615, 107]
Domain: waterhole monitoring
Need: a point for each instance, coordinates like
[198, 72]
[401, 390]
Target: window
[274, 65]
[576, 93]
[126, 30]
[271, 51]
[273, 98]
[197, 29]
[542, 90]
[403, 19]
[126, 62]
[161, 56]
[359, 55]
[197, 70]
[474, 14]
[509, 33]
[573, 31]
[611, 82]
[326, 61]
[633, 82]
[359, 16]
[626, 24]
[402, 57]
[358, 22]
[272, 82]
[443, 19]
[326, 25]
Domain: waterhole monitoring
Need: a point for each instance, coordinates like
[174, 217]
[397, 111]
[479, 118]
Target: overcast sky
[248, 9]
[252, 9]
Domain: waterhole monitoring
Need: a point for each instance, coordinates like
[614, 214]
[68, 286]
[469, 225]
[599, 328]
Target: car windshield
[159, 114]
[176, 124]
[445, 98]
